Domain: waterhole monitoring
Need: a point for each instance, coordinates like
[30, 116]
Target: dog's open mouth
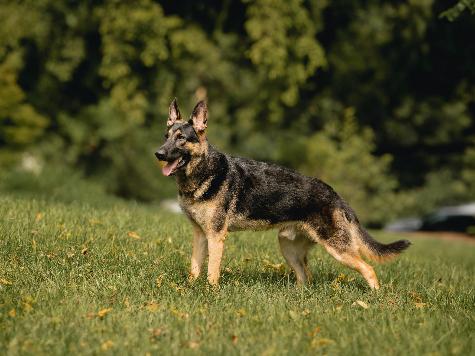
[171, 167]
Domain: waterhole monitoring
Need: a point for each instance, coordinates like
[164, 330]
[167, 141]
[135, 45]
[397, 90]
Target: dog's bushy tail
[379, 252]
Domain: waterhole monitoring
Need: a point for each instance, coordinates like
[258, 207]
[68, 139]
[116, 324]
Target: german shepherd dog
[220, 193]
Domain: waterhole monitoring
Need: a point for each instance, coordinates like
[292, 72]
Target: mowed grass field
[82, 279]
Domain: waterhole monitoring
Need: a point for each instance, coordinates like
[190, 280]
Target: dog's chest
[200, 212]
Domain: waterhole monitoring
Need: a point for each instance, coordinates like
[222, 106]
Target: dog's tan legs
[294, 248]
[355, 262]
[215, 249]
[200, 250]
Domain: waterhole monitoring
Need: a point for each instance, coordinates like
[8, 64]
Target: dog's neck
[198, 170]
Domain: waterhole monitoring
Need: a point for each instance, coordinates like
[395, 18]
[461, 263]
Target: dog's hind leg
[354, 261]
[200, 251]
[341, 241]
[294, 247]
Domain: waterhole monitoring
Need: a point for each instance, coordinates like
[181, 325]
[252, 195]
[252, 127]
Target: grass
[85, 279]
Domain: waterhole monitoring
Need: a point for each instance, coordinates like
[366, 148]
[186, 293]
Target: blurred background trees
[375, 97]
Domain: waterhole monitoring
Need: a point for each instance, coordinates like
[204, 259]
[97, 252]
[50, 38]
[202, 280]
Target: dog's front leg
[215, 249]
[200, 250]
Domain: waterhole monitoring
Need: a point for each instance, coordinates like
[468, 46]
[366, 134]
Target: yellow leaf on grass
[133, 235]
[159, 280]
[416, 297]
[179, 314]
[94, 222]
[193, 344]
[106, 345]
[317, 343]
[279, 267]
[293, 315]
[27, 303]
[152, 306]
[38, 217]
[361, 304]
[240, 312]
[5, 282]
[103, 312]
[420, 305]
[12, 313]
[156, 332]
[314, 332]
[234, 339]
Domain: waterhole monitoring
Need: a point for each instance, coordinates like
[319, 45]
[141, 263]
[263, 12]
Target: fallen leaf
[5, 282]
[38, 217]
[305, 312]
[193, 345]
[103, 312]
[279, 267]
[293, 315]
[416, 297]
[240, 312]
[361, 304]
[106, 345]
[317, 343]
[152, 306]
[314, 332]
[159, 280]
[178, 288]
[12, 313]
[133, 235]
[27, 304]
[341, 277]
[234, 339]
[157, 332]
[420, 305]
[179, 314]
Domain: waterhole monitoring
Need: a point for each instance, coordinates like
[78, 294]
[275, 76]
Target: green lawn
[112, 278]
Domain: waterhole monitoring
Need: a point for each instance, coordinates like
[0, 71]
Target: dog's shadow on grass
[250, 277]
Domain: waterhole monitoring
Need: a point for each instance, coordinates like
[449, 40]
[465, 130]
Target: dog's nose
[160, 154]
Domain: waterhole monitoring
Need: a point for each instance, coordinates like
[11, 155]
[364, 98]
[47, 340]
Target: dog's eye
[166, 136]
[181, 137]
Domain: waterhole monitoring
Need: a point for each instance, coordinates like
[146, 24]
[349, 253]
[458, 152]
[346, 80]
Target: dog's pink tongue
[169, 167]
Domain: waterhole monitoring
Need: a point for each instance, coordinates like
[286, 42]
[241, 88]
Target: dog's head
[183, 139]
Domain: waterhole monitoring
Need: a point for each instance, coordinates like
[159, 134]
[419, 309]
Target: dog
[220, 193]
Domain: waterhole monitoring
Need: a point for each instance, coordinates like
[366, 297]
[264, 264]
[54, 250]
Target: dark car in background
[459, 218]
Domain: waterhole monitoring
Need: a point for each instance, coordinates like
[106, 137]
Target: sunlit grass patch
[81, 279]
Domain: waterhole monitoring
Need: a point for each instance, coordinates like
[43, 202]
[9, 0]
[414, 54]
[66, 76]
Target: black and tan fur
[220, 193]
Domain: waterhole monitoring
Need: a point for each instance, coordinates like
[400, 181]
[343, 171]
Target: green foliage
[455, 11]
[284, 49]
[53, 182]
[86, 85]
[20, 123]
[468, 170]
[342, 155]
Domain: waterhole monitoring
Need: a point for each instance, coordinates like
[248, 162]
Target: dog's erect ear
[173, 113]
[199, 118]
